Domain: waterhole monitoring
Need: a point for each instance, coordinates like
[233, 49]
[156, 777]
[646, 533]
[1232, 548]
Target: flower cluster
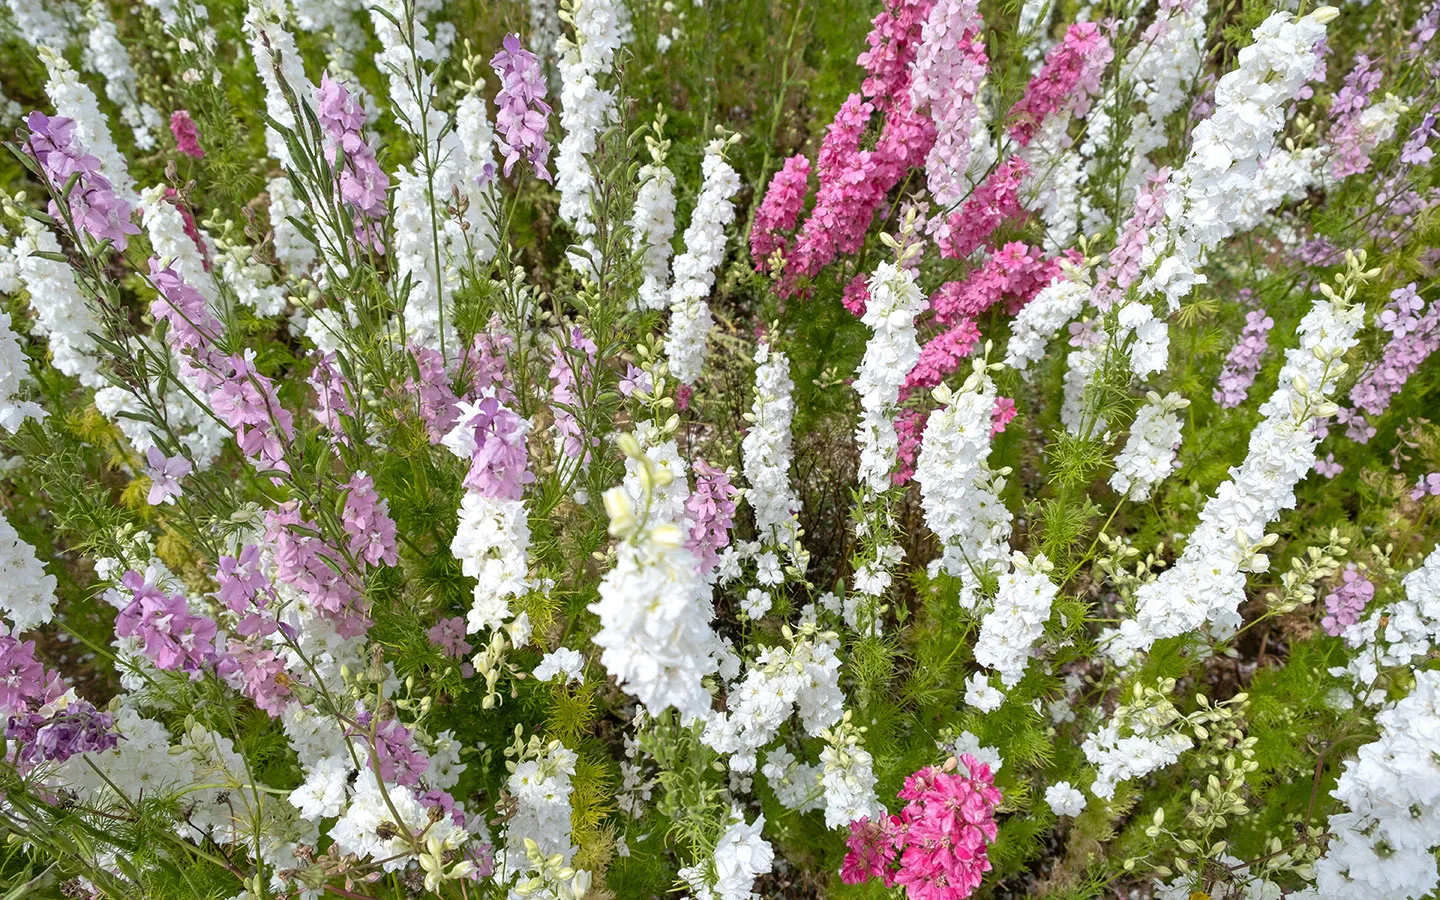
[895, 301]
[1149, 453]
[937, 846]
[1382, 845]
[1242, 364]
[91, 202]
[958, 489]
[1344, 605]
[362, 183]
[695, 269]
[1067, 81]
[521, 112]
[1207, 582]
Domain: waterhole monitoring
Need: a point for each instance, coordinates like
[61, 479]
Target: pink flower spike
[187, 136]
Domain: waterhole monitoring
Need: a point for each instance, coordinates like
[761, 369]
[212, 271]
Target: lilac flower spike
[523, 113]
[95, 207]
[363, 184]
[165, 474]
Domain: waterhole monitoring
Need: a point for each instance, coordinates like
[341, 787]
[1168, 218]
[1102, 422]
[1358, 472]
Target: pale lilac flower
[364, 185]
[1344, 604]
[522, 114]
[1426, 485]
[367, 521]
[171, 637]
[94, 206]
[165, 474]
[1243, 362]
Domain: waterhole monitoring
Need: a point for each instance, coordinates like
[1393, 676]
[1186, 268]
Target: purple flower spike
[523, 113]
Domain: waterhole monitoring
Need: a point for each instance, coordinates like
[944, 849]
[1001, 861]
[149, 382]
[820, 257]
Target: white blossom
[562, 664]
[655, 607]
[959, 491]
[848, 778]
[1017, 620]
[1037, 322]
[14, 368]
[690, 319]
[1149, 454]
[1064, 799]
[1207, 582]
[895, 301]
[29, 596]
[652, 226]
[740, 855]
[585, 106]
[1382, 845]
[766, 452]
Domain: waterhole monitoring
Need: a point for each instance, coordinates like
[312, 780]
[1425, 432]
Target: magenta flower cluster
[332, 393]
[395, 755]
[1015, 273]
[854, 183]
[994, 201]
[1344, 604]
[91, 200]
[1242, 363]
[937, 848]
[22, 676]
[521, 113]
[779, 211]
[187, 136]
[364, 186]
[38, 728]
[307, 562]
[1066, 82]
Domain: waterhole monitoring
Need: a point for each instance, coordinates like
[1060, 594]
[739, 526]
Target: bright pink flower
[1066, 82]
[1001, 415]
[187, 136]
[941, 356]
[994, 201]
[779, 210]
[937, 847]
